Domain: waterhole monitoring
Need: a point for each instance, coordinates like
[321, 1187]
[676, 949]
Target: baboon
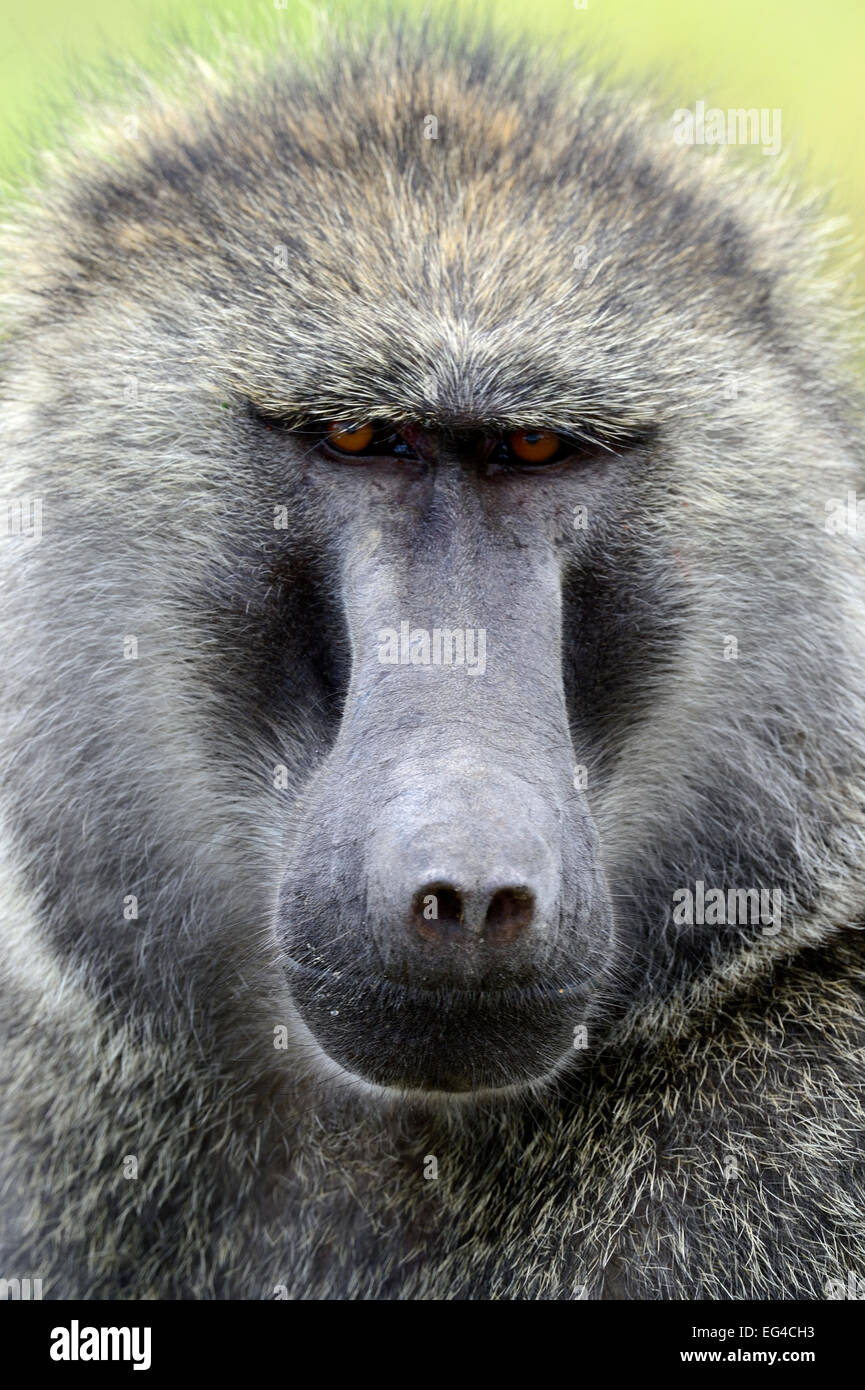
[438, 646]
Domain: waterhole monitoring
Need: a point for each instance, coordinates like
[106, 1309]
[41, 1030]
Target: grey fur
[287, 239]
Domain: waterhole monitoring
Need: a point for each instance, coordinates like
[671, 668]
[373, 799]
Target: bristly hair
[420, 221]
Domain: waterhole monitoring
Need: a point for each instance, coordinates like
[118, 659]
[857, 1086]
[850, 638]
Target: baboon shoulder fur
[287, 237]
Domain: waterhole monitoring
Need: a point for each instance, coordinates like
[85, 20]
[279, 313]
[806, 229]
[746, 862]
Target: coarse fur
[278, 241]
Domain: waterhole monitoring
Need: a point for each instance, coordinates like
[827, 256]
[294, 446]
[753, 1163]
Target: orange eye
[534, 446]
[351, 439]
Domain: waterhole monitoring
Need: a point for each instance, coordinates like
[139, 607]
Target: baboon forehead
[431, 218]
[505, 247]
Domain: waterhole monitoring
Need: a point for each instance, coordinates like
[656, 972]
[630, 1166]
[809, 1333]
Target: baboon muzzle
[444, 912]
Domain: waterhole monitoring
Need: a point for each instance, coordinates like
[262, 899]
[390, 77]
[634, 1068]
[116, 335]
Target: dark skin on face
[448, 931]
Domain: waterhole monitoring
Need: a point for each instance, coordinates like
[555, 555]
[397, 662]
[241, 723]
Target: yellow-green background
[802, 56]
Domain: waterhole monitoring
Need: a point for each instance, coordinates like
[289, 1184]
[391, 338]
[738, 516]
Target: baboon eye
[375, 439]
[348, 437]
[534, 446]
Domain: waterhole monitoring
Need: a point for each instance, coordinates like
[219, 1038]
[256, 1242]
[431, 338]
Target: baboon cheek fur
[233, 1071]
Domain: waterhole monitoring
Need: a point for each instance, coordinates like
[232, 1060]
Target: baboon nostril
[437, 913]
[509, 914]
[441, 914]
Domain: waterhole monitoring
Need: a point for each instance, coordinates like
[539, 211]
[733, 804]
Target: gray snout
[463, 880]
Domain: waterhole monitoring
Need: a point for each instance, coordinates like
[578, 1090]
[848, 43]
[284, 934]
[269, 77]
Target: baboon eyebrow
[606, 429]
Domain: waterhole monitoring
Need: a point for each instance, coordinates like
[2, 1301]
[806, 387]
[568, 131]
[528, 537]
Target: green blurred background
[803, 57]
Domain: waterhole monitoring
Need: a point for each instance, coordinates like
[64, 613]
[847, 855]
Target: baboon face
[435, 478]
[444, 909]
